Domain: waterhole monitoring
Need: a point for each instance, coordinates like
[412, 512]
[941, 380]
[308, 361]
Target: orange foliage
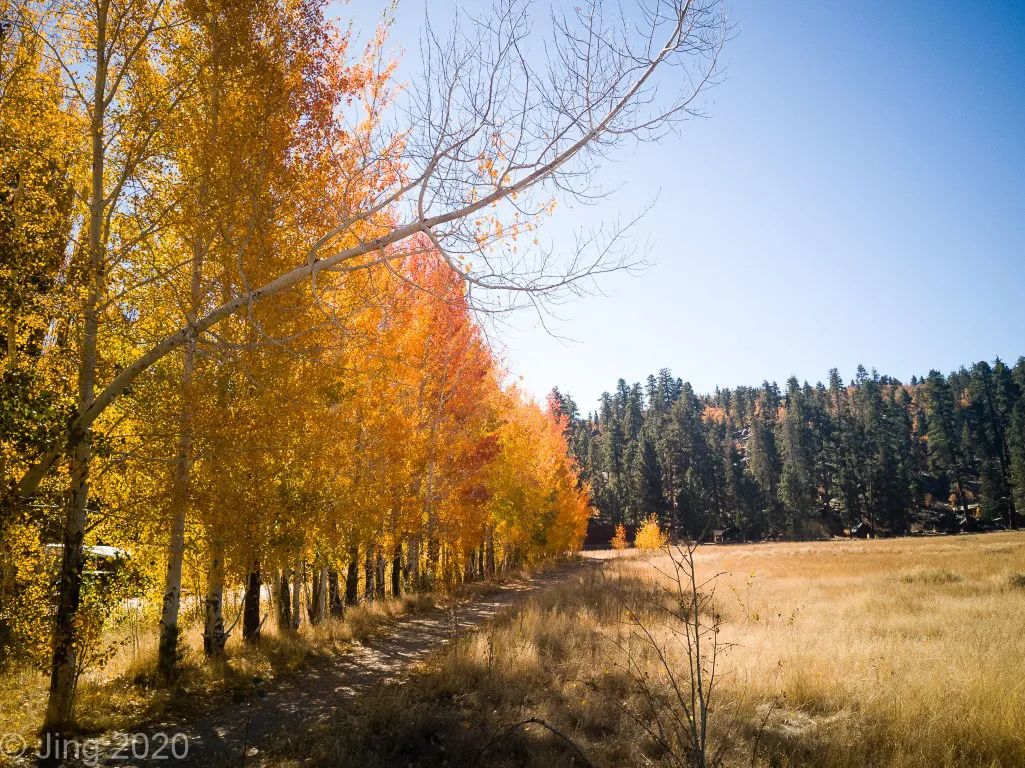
[713, 413]
[619, 540]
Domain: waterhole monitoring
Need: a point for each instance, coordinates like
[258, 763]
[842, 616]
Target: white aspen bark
[213, 626]
[297, 585]
[64, 666]
[282, 599]
[414, 562]
[489, 552]
[168, 649]
[167, 660]
[321, 611]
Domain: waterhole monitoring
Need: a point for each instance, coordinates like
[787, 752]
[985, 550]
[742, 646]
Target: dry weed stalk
[675, 625]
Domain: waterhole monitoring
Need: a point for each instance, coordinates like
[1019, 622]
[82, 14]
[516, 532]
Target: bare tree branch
[488, 140]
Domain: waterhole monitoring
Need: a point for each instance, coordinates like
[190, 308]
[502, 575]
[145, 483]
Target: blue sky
[856, 195]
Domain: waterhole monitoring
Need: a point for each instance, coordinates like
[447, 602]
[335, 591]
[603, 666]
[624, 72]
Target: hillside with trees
[937, 453]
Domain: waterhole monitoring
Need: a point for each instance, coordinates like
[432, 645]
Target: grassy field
[903, 652]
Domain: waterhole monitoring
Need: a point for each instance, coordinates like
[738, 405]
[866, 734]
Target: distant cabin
[725, 535]
[862, 530]
[99, 558]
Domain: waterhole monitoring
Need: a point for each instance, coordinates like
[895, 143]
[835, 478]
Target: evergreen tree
[646, 480]
[1016, 440]
[769, 464]
[797, 488]
[763, 455]
[991, 395]
[944, 434]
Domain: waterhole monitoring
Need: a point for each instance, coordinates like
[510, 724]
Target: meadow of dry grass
[903, 652]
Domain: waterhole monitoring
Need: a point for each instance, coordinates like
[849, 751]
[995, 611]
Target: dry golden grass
[124, 692]
[899, 652]
[844, 654]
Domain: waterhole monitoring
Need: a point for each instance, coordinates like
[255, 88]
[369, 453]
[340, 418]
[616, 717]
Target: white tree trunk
[64, 666]
[282, 599]
[213, 626]
[168, 651]
[321, 602]
[489, 552]
[297, 586]
[414, 562]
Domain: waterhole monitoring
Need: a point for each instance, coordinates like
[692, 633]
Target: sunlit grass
[842, 654]
[125, 690]
[896, 652]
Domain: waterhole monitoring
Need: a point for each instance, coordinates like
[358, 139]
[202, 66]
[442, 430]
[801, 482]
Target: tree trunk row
[324, 588]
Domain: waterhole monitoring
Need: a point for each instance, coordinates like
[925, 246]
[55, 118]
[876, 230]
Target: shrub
[932, 576]
[650, 536]
[619, 540]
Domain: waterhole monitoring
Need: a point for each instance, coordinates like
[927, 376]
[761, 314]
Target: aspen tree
[310, 195]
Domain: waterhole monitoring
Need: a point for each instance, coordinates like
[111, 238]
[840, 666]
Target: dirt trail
[301, 700]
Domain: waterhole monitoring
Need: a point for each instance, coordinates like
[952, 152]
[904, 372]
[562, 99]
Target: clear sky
[856, 195]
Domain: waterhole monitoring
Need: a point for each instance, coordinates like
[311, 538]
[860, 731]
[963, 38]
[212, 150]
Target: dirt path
[308, 697]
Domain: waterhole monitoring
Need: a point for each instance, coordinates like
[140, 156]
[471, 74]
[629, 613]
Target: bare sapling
[669, 648]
